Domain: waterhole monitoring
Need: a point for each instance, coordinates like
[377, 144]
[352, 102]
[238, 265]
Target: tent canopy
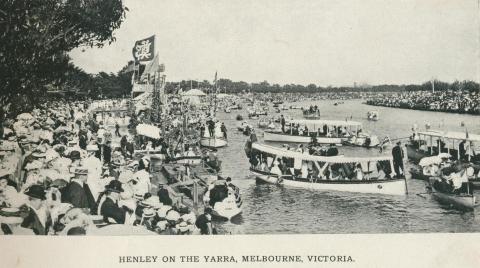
[194, 92]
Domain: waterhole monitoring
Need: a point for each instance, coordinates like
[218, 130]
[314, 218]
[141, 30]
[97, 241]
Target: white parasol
[25, 116]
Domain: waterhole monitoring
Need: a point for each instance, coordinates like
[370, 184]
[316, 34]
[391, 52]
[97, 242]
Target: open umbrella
[24, 116]
[61, 129]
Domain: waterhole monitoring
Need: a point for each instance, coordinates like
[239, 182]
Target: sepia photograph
[147, 118]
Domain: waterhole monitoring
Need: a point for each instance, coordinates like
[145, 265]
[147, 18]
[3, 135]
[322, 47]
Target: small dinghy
[461, 198]
[224, 199]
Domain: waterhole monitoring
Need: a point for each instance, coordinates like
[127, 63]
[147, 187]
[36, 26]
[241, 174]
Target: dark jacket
[461, 150]
[82, 142]
[110, 209]
[78, 196]
[332, 151]
[202, 224]
[107, 153]
[130, 148]
[32, 222]
[164, 197]
[397, 154]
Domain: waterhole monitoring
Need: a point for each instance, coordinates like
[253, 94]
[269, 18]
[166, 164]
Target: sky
[324, 42]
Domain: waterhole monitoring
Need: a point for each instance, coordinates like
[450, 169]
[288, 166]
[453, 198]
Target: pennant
[144, 49]
[150, 69]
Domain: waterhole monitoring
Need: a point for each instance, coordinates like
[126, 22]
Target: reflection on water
[277, 209]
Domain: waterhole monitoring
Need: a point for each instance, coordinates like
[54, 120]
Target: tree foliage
[36, 35]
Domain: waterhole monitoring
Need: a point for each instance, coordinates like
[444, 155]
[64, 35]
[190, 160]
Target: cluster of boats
[446, 160]
[450, 154]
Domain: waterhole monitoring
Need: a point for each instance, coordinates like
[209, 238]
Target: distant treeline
[76, 83]
[229, 86]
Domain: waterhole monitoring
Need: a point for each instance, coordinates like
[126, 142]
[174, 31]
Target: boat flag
[144, 49]
[150, 69]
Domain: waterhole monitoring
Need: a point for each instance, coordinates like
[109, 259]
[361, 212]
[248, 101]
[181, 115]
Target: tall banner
[144, 49]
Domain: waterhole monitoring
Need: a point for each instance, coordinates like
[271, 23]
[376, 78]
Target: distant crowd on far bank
[441, 101]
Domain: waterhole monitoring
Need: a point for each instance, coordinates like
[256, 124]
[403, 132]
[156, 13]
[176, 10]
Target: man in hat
[282, 122]
[223, 128]
[164, 195]
[37, 217]
[462, 150]
[211, 127]
[397, 154]
[94, 166]
[107, 152]
[204, 222]
[117, 129]
[109, 208]
[82, 140]
[129, 147]
[78, 193]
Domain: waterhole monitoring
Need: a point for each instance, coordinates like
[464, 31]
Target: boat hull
[213, 142]
[460, 202]
[387, 187]
[227, 209]
[414, 155]
[191, 160]
[280, 137]
[311, 116]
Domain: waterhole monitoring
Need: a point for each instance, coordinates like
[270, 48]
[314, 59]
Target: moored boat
[213, 142]
[373, 115]
[433, 142]
[224, 200]
[325, 131]
[216, 140]
[462, 198]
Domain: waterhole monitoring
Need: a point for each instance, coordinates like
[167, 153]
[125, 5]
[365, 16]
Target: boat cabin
[461, 145]
[323, 128]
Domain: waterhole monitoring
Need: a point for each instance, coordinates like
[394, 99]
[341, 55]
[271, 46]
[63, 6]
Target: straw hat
[162, 212]
[81, 171]
[138, 196]
[148, 213]
[173, 215]
[152, 202]
[34, 165]
[92, 147]
[39, 154]
[183, 227]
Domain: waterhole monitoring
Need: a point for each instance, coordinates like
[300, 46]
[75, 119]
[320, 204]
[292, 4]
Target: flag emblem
[144, 49]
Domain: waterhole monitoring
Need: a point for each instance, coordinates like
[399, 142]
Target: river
[272, 209]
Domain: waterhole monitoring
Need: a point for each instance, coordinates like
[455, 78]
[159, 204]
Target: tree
[36, 35]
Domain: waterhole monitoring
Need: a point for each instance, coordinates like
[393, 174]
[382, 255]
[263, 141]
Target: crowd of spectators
[442, 101]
